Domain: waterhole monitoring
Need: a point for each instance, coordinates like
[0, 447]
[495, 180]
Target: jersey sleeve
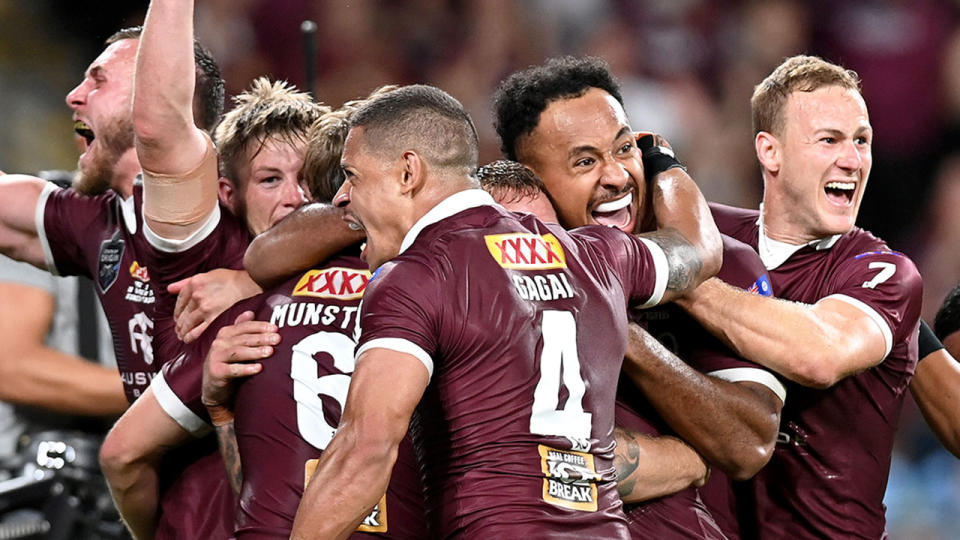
[65, 221]
[639, 263]
[178, 389]
[398, 312]
[887, 287]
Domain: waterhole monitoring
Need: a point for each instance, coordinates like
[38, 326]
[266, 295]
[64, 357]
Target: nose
[613, 174]
[849, 158]
[78, 96]
[293, 193]
[342, 197]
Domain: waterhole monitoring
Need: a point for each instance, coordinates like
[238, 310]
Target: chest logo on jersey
[570, 478]
[335, 282]
[139, 273]
[526, 251]
[108, 261]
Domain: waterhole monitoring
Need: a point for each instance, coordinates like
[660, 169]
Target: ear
[413, 172]
[769, 151]
[227, 192]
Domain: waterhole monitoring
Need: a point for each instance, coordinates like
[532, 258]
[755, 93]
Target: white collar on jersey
[773, 253]
[454, 204]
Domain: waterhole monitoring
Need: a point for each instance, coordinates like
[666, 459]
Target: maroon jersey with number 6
[829, 471]
[522, 327]
[286, 415]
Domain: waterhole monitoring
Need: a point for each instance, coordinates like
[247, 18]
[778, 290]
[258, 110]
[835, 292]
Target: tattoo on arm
[626, 460]
[682, 258]
[227, 439]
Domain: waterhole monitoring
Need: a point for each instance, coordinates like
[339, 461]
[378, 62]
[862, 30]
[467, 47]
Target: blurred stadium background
[687, 68]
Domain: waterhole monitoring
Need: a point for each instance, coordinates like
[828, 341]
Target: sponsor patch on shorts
[375, 521]
[526, 251]
[570, 479]
[335, 282]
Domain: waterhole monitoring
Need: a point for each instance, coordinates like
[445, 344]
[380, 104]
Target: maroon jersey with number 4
[98, 237]
[286, 415]
[709, 512]
[829, 471]
[522, 327]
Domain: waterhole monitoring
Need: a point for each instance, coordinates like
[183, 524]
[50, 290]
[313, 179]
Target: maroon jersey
[522, 328]
[829, 470]
[98, 237]
[287, 414]
[687, 513]
[220, 243]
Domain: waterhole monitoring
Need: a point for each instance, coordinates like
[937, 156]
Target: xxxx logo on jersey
[335, 282]
[526, 251]
[139, 272]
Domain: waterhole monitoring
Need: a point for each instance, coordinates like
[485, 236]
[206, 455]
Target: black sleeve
[928, 342]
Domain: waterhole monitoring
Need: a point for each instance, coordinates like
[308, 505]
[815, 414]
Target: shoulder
[742, 267]
[740, 223]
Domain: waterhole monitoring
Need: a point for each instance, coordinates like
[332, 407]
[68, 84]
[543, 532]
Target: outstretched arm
[651, 467]
[353, 473]
[180, 172]
[18, 227]
[733, 425]
[309, 235]
[34, 374]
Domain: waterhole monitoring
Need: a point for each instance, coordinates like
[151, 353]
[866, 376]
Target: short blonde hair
[267, 109]
[321, 162]
[796, 74]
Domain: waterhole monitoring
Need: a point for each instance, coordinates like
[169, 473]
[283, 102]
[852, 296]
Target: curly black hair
[522, 96]
[947, 320]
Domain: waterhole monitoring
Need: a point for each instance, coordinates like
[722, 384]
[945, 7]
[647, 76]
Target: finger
[255, 339]
[245, 370]
[190, 320]
[191, 335]
[243, 317]
[255, 327]
[245, 354]
[184, 292]
[177, 286]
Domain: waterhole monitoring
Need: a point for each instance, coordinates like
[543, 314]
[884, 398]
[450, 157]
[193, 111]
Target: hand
[234, 354]
[201, 298]
[657, 154]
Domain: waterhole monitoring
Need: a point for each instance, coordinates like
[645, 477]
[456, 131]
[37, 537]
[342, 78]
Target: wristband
[656, 159]
[219, 415]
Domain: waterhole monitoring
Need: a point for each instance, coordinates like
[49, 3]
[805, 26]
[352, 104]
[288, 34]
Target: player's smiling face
[101, 114]
[371, 198]
[584, 151]
[825, 160]
[271, 182]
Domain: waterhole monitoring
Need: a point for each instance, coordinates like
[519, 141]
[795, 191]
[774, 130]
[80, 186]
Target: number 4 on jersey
[559, 357]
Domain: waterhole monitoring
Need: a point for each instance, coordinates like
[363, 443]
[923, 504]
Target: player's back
[526, 329]
[287, 414]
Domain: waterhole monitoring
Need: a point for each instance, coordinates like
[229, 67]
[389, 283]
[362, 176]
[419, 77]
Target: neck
[126, 169]
[778, 225]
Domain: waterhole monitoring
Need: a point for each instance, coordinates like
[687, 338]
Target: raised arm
[179, 163]
[733, 425]
[18, 227]
[309, 235]
[355, 468]
[685, 228]
[651, 467]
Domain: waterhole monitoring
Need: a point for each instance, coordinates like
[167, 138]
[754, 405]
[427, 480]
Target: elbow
[120, 462]
[749, 461]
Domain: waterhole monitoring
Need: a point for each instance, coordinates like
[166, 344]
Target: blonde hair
[796, 74]
[321, 162]
[266, 110]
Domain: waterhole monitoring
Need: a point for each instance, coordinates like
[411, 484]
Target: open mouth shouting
[616, 213]
[83, 130]
[840, 193]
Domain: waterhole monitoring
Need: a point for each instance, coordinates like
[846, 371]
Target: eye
[584, 162]
[270, 180]
[862, 140]
[828, 140]
[626, 148]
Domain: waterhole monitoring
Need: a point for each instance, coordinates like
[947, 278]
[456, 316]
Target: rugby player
[565, 120]
[482, 303]
[843, 329]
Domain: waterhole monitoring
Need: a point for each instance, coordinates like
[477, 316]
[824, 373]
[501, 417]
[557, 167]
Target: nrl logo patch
[526, 251]
[335, 282]
[108, 261]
